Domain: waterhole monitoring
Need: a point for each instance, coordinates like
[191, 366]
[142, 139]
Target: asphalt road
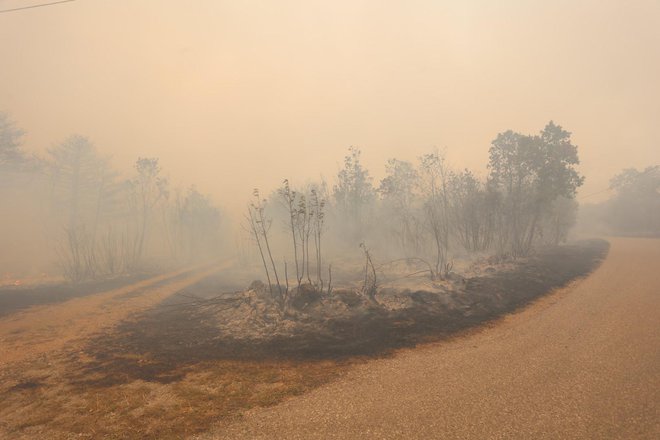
[581, 363]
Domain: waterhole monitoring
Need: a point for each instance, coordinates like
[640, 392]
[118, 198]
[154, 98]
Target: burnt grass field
[16, 298]
[163, 343]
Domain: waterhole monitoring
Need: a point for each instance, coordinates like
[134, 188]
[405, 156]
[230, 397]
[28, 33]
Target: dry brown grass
[38, 400]
[44, 328]
[49, 386]
[75, 384]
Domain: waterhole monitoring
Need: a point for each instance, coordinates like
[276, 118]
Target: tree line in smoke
[98, 222]
[422, 211]
[634, 207]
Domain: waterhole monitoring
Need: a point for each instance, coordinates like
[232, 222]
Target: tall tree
[434, 180]
[354, 194]
[259, 225]
[192, 225]
[317, 206]
[399, 196]
[12, 157]
[289, 198]
[148, 188]
[81, 184]
[559, 220]
[635, 209]
[10, 141]
[471, 209]
[532, 172]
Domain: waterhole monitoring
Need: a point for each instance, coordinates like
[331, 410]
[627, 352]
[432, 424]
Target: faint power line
[2, 11]
[614, 188]
[595, 193]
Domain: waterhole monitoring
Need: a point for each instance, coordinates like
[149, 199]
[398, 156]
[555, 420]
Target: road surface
[581, 363]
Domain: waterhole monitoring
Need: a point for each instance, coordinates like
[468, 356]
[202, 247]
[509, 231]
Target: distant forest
[71, 210]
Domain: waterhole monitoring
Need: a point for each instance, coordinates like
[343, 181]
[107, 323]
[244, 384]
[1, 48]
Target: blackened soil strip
[161, 283]
[163, 342]
[14, 299]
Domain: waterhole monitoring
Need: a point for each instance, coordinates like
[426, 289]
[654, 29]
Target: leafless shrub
[370, 284]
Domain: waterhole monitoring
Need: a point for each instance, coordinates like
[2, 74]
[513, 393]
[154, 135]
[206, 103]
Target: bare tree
[191, 225]
[253, 219]
[289, 198]
[354, 195]
[260, 226]
[147, 189]
[370, 286]
[471, 211]
[304, 227]
[433, 182]
[83, 182]
[317, 204]
[12, 156]
[557, 222]
[400, 199]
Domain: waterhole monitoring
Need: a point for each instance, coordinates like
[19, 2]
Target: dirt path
[581, 363]
[41, 329]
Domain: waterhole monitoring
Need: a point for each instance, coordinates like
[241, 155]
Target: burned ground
[200, 358]
[15, 298]
[161, 344]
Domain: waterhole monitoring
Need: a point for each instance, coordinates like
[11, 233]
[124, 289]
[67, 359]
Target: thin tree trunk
[270, 254]
[261, 252]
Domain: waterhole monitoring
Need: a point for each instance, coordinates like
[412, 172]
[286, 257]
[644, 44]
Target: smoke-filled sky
[236, 94]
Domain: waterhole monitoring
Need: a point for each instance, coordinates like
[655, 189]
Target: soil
[202, 325]
[170, 356]
[15, 298]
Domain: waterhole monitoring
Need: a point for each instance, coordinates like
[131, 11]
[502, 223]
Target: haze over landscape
[217, 88]
[329, 219]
